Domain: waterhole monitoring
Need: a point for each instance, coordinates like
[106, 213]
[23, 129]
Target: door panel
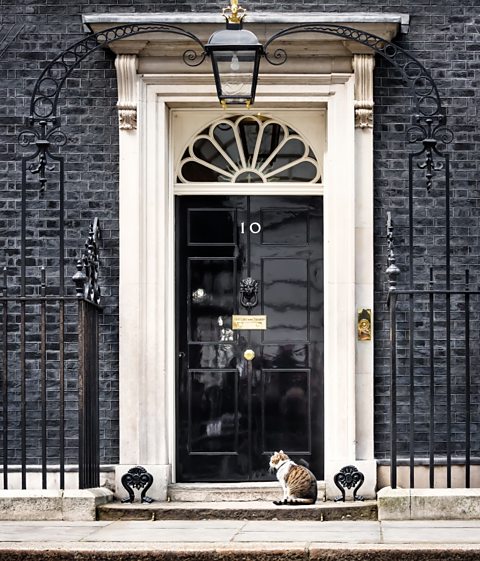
[232, 413]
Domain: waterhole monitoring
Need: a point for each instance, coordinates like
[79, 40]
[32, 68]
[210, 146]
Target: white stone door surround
[147, 323]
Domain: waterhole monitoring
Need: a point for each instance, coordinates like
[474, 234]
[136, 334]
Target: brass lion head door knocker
[248, 292]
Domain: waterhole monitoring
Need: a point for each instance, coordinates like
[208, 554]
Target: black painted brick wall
[444, 35]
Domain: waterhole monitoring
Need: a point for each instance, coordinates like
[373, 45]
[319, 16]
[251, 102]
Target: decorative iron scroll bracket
[137, 478]
[86, 277]
[248, 292]
[346, 478]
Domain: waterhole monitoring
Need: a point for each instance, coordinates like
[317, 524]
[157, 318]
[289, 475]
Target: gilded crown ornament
[234, 13]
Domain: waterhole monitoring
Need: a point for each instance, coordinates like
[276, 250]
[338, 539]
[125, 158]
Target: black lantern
[235, 54]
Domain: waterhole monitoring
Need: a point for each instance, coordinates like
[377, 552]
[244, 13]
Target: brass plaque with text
[249, 322]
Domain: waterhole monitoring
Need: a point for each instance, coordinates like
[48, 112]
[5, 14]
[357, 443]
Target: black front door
[232, 411]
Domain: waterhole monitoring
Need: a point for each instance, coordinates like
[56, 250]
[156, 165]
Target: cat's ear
[281, 452]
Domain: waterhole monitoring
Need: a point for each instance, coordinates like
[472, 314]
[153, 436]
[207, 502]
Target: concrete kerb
[428, 504]
[327, 553]
[45, 505]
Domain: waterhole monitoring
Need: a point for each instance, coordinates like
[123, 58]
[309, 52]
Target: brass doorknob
[249, 354]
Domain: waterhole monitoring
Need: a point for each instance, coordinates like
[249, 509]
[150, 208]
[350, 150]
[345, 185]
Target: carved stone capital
[126, 66]
[363, 65]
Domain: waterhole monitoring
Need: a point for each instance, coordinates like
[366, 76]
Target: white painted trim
[147, 286]
[305, 86]
[255, 164]
[309, 189]
[339, 255]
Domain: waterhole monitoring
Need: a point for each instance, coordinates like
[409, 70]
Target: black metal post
[448, 324]
[468, 398]
[43, 374]
[393, 389]
[89, 444]
[61, 392]
[5, 380]
[431, 303]
[393, 273]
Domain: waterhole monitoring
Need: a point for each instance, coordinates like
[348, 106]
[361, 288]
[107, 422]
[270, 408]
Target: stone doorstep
[230, 492]
[242, 510]
[28, 505]
[428, 504]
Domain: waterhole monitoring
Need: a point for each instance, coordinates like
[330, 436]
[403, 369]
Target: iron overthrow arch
[430, 116]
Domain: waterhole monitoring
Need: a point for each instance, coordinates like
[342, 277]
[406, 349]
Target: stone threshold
[230, 492]
[239, 510]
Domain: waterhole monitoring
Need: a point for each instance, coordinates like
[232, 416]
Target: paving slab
[39, 533]
[236, 540]
[431, 533]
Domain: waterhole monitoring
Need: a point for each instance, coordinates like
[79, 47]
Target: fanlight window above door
[248, 149]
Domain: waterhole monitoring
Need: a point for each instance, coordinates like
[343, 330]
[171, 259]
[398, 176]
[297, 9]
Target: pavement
[241, 540]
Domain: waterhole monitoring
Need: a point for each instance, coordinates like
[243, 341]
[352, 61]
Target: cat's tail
[295, 502]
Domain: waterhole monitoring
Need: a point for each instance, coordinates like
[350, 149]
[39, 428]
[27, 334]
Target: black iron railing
[49, 378]
[433, 396]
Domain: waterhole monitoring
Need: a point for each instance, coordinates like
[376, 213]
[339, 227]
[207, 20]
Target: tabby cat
[298, 482]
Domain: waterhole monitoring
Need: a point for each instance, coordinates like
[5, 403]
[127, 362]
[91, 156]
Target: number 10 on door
[255, 227]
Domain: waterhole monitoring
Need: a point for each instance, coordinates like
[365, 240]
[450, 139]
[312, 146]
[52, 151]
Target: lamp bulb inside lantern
[234, 65]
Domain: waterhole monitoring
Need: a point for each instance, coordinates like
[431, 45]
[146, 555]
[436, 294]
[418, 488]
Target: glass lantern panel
[235, 69]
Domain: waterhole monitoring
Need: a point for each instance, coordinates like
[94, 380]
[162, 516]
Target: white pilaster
[339, 211]
[130, 359]
[363, 66]
[143, 400]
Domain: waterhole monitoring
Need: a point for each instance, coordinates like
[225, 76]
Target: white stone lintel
[285, 18]
[166, 44]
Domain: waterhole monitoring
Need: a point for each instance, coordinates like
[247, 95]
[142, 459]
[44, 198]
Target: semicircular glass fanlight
[248, 149]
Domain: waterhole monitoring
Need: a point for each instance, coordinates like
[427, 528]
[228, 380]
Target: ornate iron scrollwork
[248, 292]
[430, 116]
[43, 104]
[43, 141]
[138, 478]
[430, 131]
[86, 277]
[47, 89]
[346, 478]
[393, 272]
[414, 74]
